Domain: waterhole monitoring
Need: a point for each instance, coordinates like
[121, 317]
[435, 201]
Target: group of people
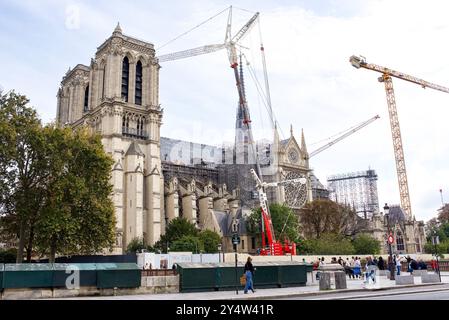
[353, 267]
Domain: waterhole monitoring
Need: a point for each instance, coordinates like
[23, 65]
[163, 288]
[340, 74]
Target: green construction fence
[48, 275]
[196, 277]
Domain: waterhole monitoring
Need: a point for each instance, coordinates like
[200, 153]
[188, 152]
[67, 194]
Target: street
[440, 293]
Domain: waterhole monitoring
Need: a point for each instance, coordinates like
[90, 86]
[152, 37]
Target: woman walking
[249, 273]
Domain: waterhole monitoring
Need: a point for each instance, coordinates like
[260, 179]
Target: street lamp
[219, 252]
[390, 258]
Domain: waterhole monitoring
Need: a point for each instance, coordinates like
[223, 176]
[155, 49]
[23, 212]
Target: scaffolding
[356, 189]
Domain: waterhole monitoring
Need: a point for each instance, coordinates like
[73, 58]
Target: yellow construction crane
[386, 78]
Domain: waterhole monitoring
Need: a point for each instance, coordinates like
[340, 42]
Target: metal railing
[134, 133]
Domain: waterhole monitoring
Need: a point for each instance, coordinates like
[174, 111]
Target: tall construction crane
[387, 74]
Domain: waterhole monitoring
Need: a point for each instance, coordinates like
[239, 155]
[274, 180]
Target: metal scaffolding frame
[356, 189]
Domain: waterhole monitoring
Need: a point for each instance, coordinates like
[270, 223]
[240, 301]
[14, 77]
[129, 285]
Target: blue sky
[313, 86]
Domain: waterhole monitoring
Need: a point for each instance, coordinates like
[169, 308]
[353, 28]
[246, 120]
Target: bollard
[340, 280]
[325, 281]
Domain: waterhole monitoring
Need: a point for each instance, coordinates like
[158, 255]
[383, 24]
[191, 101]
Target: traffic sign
[390, 239]
[235, 239]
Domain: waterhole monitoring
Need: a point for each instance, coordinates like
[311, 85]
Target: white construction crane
[387, 74]
[351, 131]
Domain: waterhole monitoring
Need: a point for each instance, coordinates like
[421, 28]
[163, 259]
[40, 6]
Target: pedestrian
[348, 268]
[397, 261]
[422, 265]
[409, 267]
[413, 265]
[381, 263]
[249, 273]
[146, 267]
[357, 267]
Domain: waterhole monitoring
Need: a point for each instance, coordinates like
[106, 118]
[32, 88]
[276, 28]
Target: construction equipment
[351, 131]
[274, 247]
[386, 78]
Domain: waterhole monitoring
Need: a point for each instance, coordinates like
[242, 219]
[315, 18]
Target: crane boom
[191, 52]
[360, 62]
[386, 78]
[328, 145]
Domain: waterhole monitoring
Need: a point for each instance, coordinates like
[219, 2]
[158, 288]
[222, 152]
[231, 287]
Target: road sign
[235, 239]
[390, 239]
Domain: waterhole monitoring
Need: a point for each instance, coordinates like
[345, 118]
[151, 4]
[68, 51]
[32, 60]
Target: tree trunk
[30, 245]
[52, 257]
[19, 258]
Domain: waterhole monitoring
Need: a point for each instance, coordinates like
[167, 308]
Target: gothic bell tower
[118, 97]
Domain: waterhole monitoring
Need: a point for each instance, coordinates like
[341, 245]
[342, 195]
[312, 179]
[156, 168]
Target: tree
[330, 243]
[54, 183]
[21, 170]
[325, 216]
[285, 223]
[365, 244]
[8, 256]
[443, 214]
[187, 243]
[138, 245]
[210, 240]
[176, 229]
[77, 214]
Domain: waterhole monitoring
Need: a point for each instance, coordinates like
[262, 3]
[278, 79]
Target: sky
[312, 84]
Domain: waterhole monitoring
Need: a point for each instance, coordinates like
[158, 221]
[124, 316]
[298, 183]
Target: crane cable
[196, 27]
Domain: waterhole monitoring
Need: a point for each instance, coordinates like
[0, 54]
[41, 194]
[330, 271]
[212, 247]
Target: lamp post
[219, 252]
[390, 258]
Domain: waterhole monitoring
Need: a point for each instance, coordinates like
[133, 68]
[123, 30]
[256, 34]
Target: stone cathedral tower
[117, 96]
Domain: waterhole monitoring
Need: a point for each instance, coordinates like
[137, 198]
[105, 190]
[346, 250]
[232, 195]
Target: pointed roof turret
[303, 142]
[117, 30]
[134, 149]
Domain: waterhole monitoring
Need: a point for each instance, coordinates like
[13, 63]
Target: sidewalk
[353, 285]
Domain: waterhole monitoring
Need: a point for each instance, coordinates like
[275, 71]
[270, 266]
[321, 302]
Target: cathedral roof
[225, 222]
[134, 149]
[396, 215]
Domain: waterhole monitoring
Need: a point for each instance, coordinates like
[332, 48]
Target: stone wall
[149, 285]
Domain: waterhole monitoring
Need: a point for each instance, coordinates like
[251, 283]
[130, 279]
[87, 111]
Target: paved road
[436, 293]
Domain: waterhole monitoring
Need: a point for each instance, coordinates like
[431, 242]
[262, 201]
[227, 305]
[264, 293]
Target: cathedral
[157, 179]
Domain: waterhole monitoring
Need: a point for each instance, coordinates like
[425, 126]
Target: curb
[306, 294]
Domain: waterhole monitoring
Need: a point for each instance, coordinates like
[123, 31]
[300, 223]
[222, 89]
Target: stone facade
[117, 96]
[408, 234]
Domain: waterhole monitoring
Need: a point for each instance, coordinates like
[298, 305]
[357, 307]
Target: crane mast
[386, 78]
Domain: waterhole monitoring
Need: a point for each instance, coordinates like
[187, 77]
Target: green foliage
[187, 243]
[78, 213]
[8, 255]
[210, 240]
[182, 235]
[138, 245]
[55, 187]
[281, 216]
[176, 229]
[441, 248]
[365, 244]
[329, 244]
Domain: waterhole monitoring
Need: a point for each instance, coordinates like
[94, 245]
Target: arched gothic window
[125, 79]
[138, 95]
[103, 82]
[86, 99]
[125, 124]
